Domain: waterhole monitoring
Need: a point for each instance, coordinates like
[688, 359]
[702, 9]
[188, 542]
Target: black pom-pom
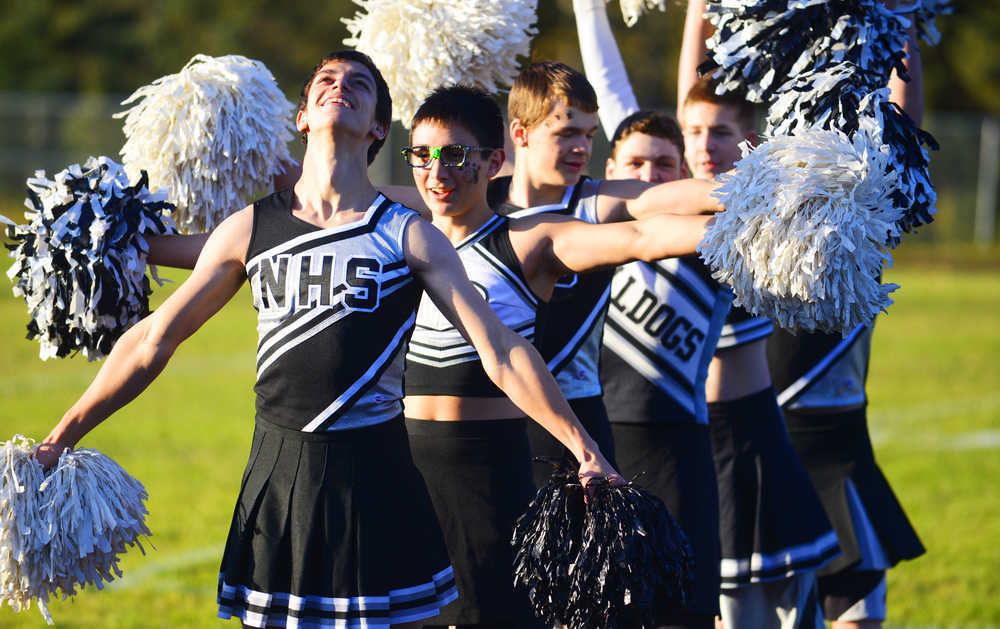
[602, 562]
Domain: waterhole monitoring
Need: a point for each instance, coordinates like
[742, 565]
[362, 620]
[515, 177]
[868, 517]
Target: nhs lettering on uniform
[316, 280]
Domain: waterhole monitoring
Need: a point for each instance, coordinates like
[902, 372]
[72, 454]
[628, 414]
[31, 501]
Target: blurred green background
[935, 383]
[68, 64]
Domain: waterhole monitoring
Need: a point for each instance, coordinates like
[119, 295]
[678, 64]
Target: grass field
[935, 419]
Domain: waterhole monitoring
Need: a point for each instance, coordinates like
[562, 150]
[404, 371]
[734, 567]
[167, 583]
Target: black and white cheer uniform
[662, 328]
[478, 471]
[571, 342]
[333, 526]
[820, 379]
[771, 522]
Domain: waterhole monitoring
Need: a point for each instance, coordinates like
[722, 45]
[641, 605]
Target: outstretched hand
[598, 469]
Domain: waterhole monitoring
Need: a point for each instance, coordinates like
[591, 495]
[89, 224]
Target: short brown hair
[649, 122]
[383, 102]
[539, 86]
[703, 91]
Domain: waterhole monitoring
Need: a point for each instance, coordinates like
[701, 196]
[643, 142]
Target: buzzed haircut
[648, 122]
[703, 91]
[467, 106]
[383, 101]
[544, 83]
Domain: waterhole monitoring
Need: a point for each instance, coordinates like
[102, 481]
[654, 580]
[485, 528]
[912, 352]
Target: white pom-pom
[212, 136]
[802, 238]
[80, 261]
[419, 45]
[65, 529]
[632, 9]
[22, 530]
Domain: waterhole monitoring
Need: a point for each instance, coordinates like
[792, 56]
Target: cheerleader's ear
[496, 161]
[518, 133]
[379, 131]
[300, 121]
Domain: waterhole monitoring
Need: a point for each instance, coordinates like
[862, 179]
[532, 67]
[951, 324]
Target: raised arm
[909, 95]
[630, 199]
[508, 359]
[693, 48]
[603, 64]
[556, 245]
[142, 352]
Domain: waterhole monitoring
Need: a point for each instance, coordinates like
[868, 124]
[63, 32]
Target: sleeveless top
[335, 309]
[571, 344]
[439, 360]
[820, 371]
[662, 329]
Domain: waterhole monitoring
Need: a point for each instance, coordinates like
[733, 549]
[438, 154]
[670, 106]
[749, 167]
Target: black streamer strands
[603, 562]
[914, 192]
[829, 99]
[824, 64]
[760, 45]
[923, 15]
[80, 261]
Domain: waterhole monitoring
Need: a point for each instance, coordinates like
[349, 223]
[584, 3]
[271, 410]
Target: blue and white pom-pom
[824, 65]
[212, 136]
[758, 46]
[802, 238]
[420, 45]
[923, 13]
[80, 260]
[909, 164]
[633, 9]
[66, 528]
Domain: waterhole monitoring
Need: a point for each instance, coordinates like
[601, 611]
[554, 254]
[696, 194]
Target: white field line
[915, 425]
[149, 569]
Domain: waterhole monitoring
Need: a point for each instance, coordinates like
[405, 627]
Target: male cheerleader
[820, 380]
[468, 440]
[771, 527]
[552, 112]
[820, 385]
[333, 523]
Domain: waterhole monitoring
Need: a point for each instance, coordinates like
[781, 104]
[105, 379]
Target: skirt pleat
[772, 524]
[836, 450]
[333, 529]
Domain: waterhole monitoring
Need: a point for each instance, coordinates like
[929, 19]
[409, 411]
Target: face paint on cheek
[473, 172]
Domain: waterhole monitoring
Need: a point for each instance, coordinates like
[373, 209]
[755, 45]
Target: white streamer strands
[801, 240]
[632, 9]
[419, 45]
[80, 261]
[22, 532]
[816, 63]
[213, 136]
[64, 529]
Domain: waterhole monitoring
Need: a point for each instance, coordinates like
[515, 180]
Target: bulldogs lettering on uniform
[663, 323]
[658, 320]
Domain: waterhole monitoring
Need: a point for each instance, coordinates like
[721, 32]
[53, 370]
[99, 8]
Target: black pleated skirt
[333, 529]
[479, 476]
[771, 522]
[675, 460]
[836, 448]
[594, 417]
